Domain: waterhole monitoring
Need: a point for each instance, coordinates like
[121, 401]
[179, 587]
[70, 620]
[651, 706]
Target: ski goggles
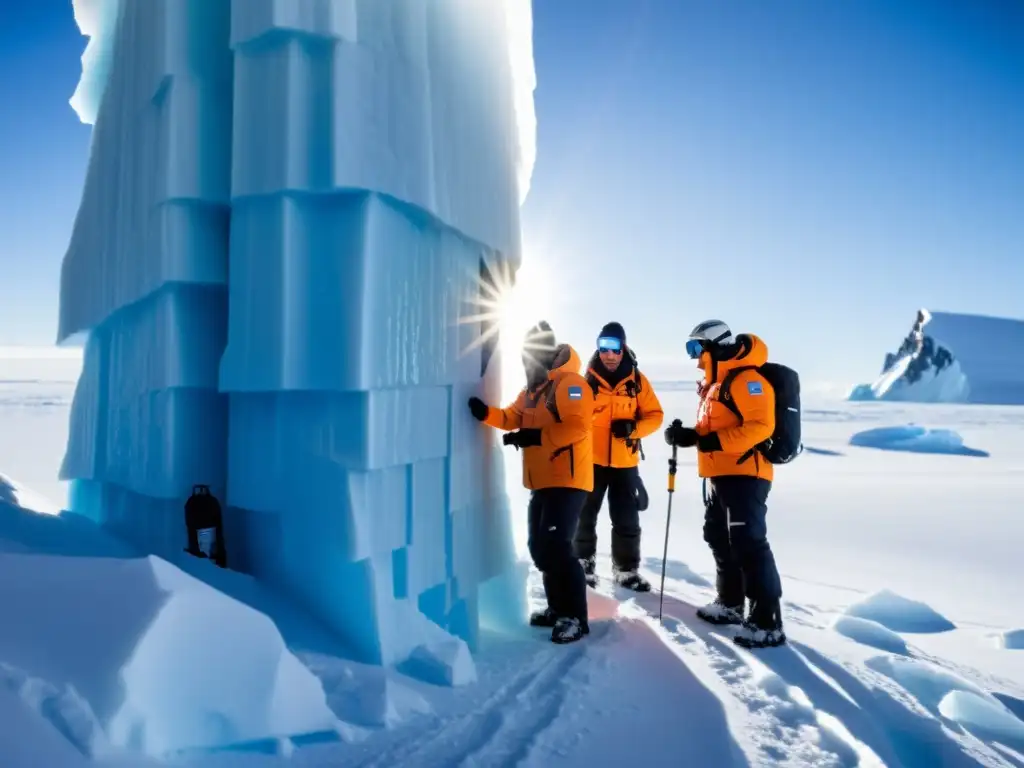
[694, 347]
[609, 344]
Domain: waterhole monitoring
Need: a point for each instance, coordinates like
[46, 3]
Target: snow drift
[954, 358]
[289, 210]
[121, 654]
[177, 665]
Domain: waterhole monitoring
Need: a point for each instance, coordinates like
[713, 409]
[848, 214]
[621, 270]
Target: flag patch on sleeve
[575, 393]
[754, 388]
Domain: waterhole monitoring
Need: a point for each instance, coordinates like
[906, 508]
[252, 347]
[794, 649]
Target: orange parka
[632, 398]
[731, 449]
[562, 408]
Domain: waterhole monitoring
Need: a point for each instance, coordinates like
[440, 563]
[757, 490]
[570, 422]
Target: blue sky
[810, 171]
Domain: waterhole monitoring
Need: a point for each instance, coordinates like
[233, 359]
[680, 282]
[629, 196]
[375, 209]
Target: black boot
[545, 618]
[718, 612]
[631, 580]
[569, 630]
[763, 629]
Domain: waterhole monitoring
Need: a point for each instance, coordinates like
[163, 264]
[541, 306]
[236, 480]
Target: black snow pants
[553, 515]
[736, 530]
[624, 511]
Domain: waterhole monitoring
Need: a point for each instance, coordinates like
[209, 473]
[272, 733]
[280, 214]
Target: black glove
[522, 438]
[623, 428]
[478, 408]
[678, 435]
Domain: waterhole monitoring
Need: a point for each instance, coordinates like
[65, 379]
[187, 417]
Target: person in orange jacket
[626, 409]
[727, 435]
[550, 421]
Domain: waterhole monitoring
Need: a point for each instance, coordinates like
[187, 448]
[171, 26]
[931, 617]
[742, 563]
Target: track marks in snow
[501, 728]
[790, 728]
[506, 731]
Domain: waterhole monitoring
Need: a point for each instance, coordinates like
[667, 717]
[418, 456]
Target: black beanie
[613, 331]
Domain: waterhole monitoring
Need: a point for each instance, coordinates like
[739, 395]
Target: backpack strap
[724, 389]
[725, 398]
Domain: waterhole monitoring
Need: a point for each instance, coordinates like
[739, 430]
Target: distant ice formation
[953, 358]
[912, 438]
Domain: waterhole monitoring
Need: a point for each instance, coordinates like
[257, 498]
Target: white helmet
[706, 334]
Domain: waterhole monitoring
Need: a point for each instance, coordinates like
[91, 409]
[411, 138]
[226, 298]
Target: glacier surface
[951, 357]
[290, 209]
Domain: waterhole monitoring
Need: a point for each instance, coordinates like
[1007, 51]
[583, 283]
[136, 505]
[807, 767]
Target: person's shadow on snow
[647, 707]
[678, 571]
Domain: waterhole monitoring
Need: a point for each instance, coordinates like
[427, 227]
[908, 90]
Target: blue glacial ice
[291, 206]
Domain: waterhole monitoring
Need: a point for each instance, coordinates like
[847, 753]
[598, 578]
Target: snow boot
[718, 612]
[568, 630]
[589, 565]
[763, 628]
[750, 635]
[545, 618]
[631, 580]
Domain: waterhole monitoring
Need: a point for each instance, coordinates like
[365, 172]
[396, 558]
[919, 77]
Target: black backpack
[784, 445]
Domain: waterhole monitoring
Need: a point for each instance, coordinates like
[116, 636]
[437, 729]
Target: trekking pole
[668, 521]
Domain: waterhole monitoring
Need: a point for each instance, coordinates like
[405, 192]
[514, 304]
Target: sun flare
[510, 303]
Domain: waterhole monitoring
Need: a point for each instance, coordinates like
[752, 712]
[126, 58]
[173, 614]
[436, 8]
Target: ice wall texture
[373, 174]
[368, 159]
[987, 366]
[145, 274]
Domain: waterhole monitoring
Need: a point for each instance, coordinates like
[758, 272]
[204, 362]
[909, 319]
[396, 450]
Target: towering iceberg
[950, 357]
[291, 209]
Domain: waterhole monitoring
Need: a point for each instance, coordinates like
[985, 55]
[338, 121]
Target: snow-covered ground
[901, 571]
